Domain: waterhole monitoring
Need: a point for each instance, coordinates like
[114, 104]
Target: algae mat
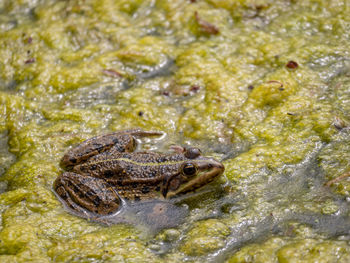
[262, 85]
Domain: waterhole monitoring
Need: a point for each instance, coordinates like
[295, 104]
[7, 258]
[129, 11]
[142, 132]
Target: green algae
[70, 70]
[307, 250]
[204, 237]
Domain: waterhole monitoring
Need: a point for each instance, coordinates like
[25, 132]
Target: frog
[104, 171]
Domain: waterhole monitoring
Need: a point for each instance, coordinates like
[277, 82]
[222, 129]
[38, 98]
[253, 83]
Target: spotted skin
[90, 193]
[104, 169]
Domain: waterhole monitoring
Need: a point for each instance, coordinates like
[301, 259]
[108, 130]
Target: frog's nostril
[219, 166]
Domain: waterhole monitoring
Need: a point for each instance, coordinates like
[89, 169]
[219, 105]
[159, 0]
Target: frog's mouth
[177, 186]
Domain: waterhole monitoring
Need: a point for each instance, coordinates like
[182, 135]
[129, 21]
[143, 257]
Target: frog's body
[104, 169]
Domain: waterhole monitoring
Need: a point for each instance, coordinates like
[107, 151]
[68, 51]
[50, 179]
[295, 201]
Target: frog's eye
[192, 153]
[189, 169]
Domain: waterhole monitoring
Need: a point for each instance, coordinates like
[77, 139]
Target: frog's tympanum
[104, 169]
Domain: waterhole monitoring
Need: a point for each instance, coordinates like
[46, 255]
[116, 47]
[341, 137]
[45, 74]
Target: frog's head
[194, 172]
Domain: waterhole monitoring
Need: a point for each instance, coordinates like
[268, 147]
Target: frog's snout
[217, 168]
[213, 166]
[218, 165]
[220, 168]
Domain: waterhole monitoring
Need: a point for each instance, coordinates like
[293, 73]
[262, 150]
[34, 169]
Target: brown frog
[103, 170]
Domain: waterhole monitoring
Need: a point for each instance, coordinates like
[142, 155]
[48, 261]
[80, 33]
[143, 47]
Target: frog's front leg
[85, 195]
[114, 142]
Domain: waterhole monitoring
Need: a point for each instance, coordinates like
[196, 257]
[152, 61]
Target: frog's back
[131, 166]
